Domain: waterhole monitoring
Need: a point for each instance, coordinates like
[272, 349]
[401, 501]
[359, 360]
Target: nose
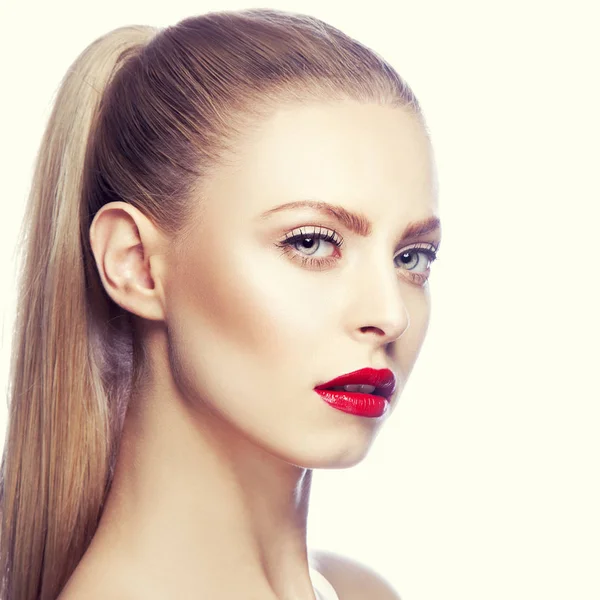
[378, 309]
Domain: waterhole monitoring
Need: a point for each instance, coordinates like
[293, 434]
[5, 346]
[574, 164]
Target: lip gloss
[373, 404]
[364, 405]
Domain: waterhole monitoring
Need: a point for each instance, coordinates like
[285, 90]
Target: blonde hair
[142, 116]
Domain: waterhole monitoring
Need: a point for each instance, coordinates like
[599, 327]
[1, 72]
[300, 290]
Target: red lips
[383, 380]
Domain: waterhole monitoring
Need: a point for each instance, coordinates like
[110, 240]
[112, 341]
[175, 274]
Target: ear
[130, 254]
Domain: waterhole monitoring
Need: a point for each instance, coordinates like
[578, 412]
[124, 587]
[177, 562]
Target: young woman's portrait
[239, 361]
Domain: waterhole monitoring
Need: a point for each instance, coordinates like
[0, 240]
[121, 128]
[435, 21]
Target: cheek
[215, 303]
[241, 299]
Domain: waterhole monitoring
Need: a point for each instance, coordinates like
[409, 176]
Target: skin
[211, 492]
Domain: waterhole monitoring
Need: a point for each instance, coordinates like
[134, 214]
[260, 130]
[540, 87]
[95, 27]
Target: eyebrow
[355, 222]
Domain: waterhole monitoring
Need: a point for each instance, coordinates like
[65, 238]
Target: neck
[197, 507]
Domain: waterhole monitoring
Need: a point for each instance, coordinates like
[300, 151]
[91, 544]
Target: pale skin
[211, 492]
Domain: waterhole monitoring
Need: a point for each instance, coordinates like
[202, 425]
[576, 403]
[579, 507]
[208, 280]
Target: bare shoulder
[351, 579]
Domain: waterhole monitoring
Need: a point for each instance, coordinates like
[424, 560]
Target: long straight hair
[142, 116]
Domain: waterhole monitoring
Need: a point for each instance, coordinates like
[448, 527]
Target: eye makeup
[306, 236]
[415, 259]
[422, 249]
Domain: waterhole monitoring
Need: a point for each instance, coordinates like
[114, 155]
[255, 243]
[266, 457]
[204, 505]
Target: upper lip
[383, 380]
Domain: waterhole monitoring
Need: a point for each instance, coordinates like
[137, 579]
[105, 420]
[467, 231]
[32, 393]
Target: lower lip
[355, 403]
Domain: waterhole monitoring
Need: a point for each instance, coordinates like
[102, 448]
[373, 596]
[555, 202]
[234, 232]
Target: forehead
[356, 155]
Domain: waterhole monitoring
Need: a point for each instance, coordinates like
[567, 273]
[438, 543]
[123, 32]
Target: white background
[485, 483]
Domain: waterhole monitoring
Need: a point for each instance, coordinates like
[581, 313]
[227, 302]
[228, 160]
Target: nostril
[372, 328]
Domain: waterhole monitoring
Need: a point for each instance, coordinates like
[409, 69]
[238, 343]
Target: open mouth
[359, 388]
[361, 399]
[364, 385]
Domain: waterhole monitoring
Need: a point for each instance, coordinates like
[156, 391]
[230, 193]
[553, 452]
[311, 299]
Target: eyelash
[318, 233]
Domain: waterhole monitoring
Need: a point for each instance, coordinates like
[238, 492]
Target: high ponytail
[56, 462]
[142, 117]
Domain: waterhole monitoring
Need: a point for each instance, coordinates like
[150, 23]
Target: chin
[333, 452]
[341, 461]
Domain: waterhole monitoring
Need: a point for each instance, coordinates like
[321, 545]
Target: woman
[224, 286]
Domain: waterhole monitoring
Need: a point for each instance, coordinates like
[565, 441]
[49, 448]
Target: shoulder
[351, 579]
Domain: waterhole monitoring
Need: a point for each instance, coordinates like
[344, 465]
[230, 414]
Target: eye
[307, 241]
[417, 258]
[308, 246]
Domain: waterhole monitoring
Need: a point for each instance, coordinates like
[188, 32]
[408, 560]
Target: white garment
[322, 587]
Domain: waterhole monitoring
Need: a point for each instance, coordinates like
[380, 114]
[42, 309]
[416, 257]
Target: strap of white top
[323, 588]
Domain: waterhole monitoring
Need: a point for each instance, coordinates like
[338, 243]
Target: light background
[485, 483]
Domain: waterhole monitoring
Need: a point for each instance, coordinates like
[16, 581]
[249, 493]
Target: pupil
[307, 242]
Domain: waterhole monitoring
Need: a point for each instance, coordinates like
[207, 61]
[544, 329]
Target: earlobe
[123, 240]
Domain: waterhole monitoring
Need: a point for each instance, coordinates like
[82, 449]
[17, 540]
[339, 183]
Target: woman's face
[257, 317]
